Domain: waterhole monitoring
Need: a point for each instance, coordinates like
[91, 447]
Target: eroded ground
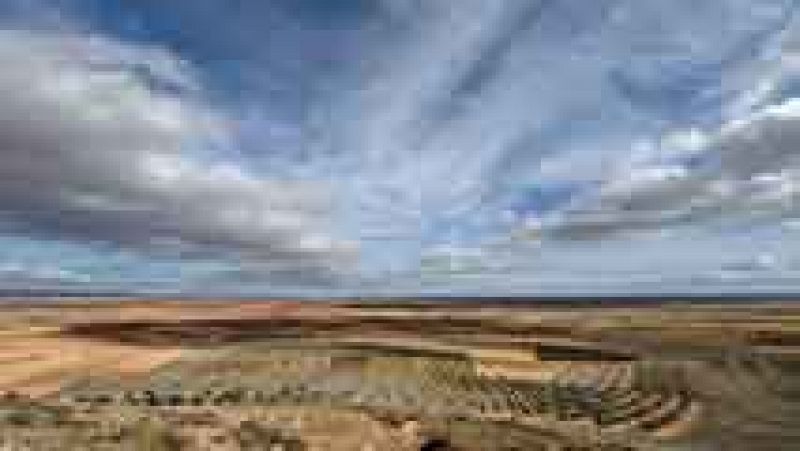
[285, 375]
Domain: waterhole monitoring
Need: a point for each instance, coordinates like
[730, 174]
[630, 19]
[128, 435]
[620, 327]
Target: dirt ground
[36, 355]
[498, 353]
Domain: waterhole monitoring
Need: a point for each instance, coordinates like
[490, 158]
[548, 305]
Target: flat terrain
[398, 376]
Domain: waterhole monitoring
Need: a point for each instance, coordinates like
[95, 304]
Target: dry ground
[479, 376]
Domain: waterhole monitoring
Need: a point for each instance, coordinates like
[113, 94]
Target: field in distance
[225, 374]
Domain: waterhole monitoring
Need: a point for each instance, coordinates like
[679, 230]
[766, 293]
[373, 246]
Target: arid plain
[143, 375]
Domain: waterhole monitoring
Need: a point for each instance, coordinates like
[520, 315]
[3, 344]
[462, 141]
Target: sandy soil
[39, 366]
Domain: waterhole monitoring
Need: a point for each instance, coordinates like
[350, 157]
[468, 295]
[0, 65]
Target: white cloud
[102, 140]
[758, 176]
[474, 98]
[455, 108]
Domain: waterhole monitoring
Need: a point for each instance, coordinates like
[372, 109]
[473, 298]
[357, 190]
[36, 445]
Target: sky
[400, 147]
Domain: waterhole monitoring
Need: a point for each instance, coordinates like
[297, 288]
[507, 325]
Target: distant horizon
[624, 298]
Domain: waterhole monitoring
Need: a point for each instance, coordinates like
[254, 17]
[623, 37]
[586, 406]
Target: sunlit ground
[284, 375]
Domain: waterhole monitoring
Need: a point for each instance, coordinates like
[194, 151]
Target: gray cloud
[746, 169]
[476, 98]
[105, 141]
[756, 176]
[454, 110]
